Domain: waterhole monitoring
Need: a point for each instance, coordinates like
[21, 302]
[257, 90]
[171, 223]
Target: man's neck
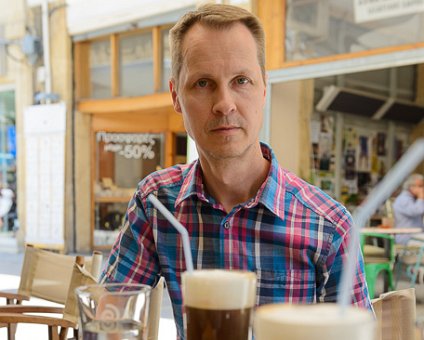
[236, 180]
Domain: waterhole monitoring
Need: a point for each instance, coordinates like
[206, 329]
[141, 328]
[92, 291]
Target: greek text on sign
[128, 145]
[367, 10]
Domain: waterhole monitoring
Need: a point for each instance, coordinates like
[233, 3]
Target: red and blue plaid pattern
[291, 234]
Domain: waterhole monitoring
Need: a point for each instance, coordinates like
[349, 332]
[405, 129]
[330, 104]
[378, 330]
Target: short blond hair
[216, 16]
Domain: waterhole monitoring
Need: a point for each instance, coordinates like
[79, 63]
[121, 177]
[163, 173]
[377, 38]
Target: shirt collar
[270, 194]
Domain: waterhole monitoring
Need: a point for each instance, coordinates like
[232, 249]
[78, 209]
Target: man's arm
[334, 265]
[133, 257]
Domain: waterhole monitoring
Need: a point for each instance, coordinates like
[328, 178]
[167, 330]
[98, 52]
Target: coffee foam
[302, 322]
[219, 289]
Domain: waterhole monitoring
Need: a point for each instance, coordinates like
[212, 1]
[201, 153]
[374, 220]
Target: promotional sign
[368, 10]
[44, 129]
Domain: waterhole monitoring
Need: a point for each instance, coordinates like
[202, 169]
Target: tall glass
[218, 304]
[319, 321]
[113, 311]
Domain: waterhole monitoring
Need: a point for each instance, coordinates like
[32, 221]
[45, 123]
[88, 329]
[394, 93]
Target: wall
[291, 109]
[61, 66]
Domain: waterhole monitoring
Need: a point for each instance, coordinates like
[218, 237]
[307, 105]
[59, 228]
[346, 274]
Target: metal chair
[379, 257]
[412, 256]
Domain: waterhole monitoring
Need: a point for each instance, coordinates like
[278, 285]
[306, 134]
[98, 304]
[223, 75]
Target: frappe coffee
[218, 304]
[306, 322]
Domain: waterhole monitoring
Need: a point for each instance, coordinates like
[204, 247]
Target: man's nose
[223, 101]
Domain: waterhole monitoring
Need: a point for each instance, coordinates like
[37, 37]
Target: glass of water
[113, 311]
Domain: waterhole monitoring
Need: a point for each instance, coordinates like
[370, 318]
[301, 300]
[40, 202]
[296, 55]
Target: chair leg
[53, 333]
[63, 335]
[11, 331]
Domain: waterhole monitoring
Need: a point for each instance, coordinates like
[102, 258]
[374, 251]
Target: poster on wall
[44, 131]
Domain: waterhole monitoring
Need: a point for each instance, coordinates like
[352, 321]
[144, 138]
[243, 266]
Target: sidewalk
[10, 268]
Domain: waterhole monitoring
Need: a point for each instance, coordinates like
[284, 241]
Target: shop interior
[362, 124]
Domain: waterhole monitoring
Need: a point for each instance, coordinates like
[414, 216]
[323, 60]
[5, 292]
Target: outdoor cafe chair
[58, 327]
[46, 275]
[396, 315]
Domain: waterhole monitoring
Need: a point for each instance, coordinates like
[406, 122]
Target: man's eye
[202, 83]
[242, 80]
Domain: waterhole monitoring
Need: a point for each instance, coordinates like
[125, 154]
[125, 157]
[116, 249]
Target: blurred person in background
[408, 207]
[6, 202]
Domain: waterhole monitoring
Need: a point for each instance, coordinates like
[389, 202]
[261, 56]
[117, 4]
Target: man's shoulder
[169, 179]
[314, 198]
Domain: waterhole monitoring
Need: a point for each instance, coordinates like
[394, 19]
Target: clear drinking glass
[218, 304]
[113, 311]
[318, 321]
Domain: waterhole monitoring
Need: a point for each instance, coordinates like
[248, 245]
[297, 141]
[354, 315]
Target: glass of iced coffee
[318, 321]
[218, 304]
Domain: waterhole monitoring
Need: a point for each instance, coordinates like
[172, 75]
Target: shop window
[122, 160]
[136, 65]
[166, 60]
[180, 148]
[100, 69]
[322, 28]
[8, 215]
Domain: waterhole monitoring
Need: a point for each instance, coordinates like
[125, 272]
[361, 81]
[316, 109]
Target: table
[391, 231]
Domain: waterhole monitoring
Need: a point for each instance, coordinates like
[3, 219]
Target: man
[241, 209]
[408, 207]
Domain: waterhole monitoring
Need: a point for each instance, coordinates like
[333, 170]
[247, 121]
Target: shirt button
[227, 225]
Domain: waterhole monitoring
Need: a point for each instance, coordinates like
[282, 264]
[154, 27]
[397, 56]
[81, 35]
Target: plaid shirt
[291, 234]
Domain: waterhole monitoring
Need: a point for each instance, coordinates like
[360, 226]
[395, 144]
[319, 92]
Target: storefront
[127, 114]
[8, 215]
[125, 126]
[346, 85]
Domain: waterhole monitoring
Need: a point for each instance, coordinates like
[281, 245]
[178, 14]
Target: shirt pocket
[293, 286]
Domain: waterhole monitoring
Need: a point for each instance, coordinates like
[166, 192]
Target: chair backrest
[79, 277]
[47, 275]
[93, 264]
[378, 253]
[154, 309]
[396, 313]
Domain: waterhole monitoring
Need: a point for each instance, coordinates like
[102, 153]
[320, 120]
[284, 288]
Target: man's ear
[175, 100]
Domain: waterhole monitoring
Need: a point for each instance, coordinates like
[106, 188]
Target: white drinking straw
[177, 225]
[378, 196]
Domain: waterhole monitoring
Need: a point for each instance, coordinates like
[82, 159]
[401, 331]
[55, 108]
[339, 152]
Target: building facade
[345, 99]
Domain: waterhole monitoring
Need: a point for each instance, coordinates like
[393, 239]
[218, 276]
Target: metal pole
[46, 48]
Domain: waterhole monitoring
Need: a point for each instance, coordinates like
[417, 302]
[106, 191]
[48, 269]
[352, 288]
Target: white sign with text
[44, 129]
[368, 10]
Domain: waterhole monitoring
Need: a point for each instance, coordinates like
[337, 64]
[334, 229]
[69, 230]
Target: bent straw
[177, 225]
[408, 162]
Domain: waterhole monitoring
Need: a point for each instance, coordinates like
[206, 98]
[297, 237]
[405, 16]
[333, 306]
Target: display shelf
[112, 199]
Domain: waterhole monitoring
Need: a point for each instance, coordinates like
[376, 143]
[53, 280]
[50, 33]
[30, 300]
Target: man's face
[221, 92]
